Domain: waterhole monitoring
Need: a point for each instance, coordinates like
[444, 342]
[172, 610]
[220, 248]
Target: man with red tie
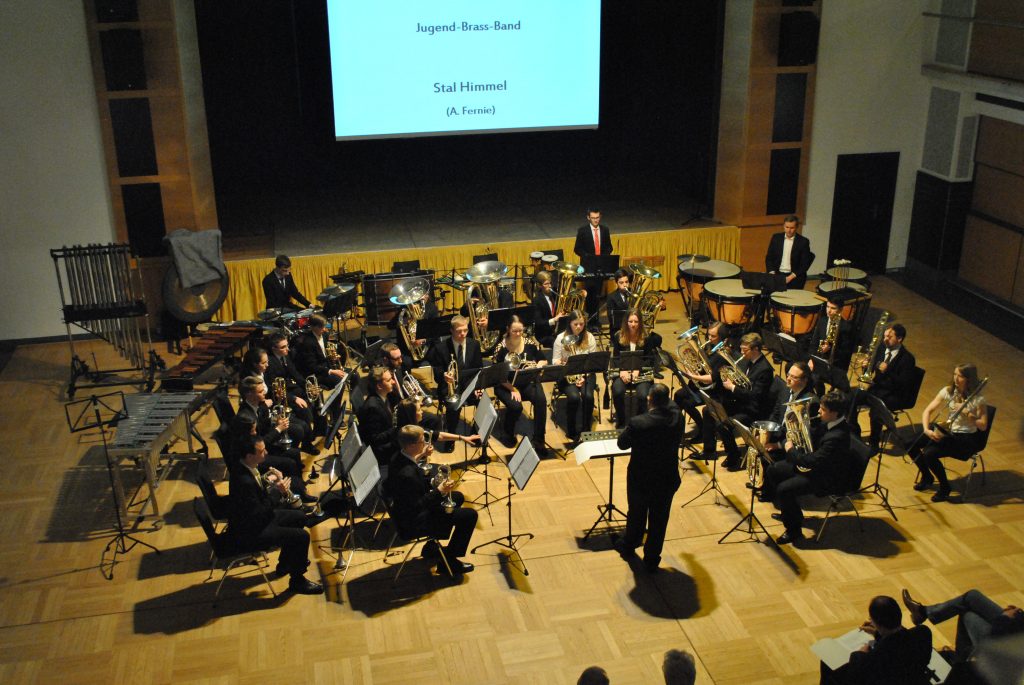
[593, 238]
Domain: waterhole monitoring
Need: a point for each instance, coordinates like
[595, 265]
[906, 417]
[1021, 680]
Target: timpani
[848, 275]
[694, 275]
[729, 302]
[796, 312]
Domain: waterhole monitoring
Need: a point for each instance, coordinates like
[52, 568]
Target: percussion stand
[113, 404]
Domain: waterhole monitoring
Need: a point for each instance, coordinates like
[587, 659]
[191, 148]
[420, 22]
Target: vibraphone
[215, 345]
[153, 421]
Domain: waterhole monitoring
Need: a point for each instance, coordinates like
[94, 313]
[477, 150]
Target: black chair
[216, 504]
[860, 456]
[977, 457]
[357, 395]
[226, 549]
[223, 408]
[909, 399]
[406, 535]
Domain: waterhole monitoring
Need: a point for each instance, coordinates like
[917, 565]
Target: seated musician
[405, 389]
[546, 305]
[833, 341]
[618, 302]
[256, 523]
[280, 365]
[960, 440]
[410, 413]
[311, 355]
[632, 337]
[893, 372]
[464, 353]
[279, 287]
[579, 392]
[416, 505]
[744, 404]
[822, 468]
[800, 382]
[686, 398]
[253, 418]
[515, 390]
[376, 415]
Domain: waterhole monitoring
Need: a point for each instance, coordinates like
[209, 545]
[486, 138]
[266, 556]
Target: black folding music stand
[521, 466]
[721, 416]
[362, 475]
[601, 265]
[107, 410]
[751, 518]
[767, 284]
[607, 510]
[485, 418]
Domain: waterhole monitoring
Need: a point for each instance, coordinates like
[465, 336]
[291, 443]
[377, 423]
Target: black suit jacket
[754, 402]
[261, 417]
[441, 357]
[654, 439]
[284, 368]
[376, 427]
[310, 359]
[897, 659]
[830, 461]
[799, 258]
[250, 508]
[281, 297]
[541, 327]
[844, 341]
[415, 503]
[616, 304]
[891, 386]
[779, 412]
[585, 240]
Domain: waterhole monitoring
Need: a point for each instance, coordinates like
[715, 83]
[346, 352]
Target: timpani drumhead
[729, 302]
[852, 273]
[796, 311]
[713, 269]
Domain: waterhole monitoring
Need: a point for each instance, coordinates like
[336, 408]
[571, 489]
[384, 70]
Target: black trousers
[647, 511]
[287, 531]
[619, 398]
[786, 494]
[958, 446]
[532, 393]
[710, 428]
[575, 398]
[687, 400]
[459, 524]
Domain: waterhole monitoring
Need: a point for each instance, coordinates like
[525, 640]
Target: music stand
[107, 410]
[602, 444]
[719, 414]
[486, 417]
[360, 470]
[602, 265]
[828, 373]
[767, 284]
[499, 319]
[751, 518]
[784, 346]
[521, 466]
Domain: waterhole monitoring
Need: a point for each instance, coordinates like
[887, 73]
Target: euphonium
[797, 424]
[691, 353]
[863, 358]
[730, 372]
[569, 347]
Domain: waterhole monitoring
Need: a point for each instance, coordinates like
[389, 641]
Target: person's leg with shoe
[636, 522]
[792, 516]
[534, 394]
[659, 510]
[287, 532]
[513, 410]
[572, 407]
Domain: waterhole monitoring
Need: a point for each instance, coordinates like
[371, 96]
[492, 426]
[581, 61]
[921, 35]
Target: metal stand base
[750, 520]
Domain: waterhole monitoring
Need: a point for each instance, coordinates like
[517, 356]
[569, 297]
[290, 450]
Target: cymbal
[408, 291]
[642, 270]
[698, 258]
[568, 268]
[336, 290]
[486, 272]
[270, 314]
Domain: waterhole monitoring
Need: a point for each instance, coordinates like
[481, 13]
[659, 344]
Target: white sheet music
[834, 652]
[585, 451]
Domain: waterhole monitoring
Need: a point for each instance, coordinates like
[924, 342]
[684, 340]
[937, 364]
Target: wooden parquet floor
[747, 611]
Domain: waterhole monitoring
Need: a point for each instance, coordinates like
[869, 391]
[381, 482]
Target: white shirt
[785, 266]
[558, 349]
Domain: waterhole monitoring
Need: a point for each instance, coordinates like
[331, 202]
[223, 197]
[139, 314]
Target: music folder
[603, 265]
[594, 449]
[522, 463]
[432, 329]
[764, 282]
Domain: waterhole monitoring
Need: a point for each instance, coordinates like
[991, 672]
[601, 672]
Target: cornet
[414, 390]
[313, 389]
[281, 409]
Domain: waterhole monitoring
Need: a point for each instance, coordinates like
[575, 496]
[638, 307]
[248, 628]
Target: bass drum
[796, 311]
[729, 302]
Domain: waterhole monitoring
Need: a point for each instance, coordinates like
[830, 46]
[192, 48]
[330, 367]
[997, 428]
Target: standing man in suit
[789, 253]
[896, 655]
[801, 473]
[653, 475]
[279, 286]
[593, 238]
[466, 352]
[893, 366]
[417, 506]
[255, 522]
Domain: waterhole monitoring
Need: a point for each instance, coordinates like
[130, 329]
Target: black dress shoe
[308, 498]
[542, 451]
[507, 440]
[924, 484]
[458, 568]
[777, 516]
[445, 447]
[309, 449]
[313, 520]
[733, 465]
[304, 586]
[916, 609]
[788, 537]
[652, 565]
[941, 496]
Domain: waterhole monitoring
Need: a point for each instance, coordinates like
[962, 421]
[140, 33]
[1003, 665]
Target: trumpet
[453, 371]
[731, 372]
[281, 410]
[414, 390]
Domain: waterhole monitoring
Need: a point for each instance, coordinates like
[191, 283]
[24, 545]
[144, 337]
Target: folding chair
[226, 549]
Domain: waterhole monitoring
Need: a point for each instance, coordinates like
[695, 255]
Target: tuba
[409, 294]
[484, 278]
[797, 424]
[570, 298]
[730, 371]
[642, 298]
[863, 358]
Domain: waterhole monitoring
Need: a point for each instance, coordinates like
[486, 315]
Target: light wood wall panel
[1001, 145]
[993, 267]
[999, 194]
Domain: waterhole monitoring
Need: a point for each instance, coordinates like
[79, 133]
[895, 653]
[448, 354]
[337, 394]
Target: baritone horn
[731, 372]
